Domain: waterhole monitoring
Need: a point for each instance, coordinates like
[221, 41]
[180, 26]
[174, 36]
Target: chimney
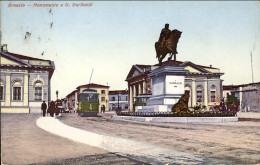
[4, 47]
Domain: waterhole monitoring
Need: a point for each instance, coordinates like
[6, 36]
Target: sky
[111, 36]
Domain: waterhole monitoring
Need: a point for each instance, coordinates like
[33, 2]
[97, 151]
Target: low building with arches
[25, 82]
[202, 83]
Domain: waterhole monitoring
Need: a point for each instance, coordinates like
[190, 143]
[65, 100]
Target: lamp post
[118, 102]
[107, 105]
[57, 93]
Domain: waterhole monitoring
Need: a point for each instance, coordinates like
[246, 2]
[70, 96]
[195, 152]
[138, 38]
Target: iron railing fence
[171, 114]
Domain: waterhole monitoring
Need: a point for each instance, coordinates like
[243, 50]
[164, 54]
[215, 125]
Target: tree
[231, 99]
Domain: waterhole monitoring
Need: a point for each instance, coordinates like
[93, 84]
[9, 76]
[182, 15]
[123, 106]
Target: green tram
[141, 100]
[88, 103]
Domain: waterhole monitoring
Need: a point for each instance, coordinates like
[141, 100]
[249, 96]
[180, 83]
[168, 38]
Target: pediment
[133, 72]
[192, 69]
[136, 73]
[6, 61]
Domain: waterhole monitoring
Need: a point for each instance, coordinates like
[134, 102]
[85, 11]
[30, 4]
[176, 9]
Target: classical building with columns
[202, 83]
[25, 82]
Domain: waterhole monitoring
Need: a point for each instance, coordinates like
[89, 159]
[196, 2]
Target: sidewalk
[248, 116]
[22, 142]
[242, 116]
[107, 113]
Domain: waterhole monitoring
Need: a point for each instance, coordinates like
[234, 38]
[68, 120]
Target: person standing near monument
[52, 108]
[44, 107]
[57, 110]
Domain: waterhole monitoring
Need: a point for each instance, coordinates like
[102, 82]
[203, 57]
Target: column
[76, 100]
[240, 98]
[49, 89]
[134, 91]
[206, 93]
[134, 94]
[26, 90]
[139, 89]
[7, 90]
[144, 87]
[220, 90]
[193, 98]
[130, 98]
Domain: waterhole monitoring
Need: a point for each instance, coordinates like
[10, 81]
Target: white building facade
[25, 82]
[118, 100]
[202, 83]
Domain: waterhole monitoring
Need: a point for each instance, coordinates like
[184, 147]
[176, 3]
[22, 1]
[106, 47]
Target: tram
[88, 103]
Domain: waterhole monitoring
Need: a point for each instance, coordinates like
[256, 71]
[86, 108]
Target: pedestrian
[57, 111]
[52, 108]
[48, 109]
[44, 107]
[103, 109]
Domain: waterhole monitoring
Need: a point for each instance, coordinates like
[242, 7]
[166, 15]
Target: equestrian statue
[167, 43]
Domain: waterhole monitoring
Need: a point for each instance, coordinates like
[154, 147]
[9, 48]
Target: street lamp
[57, 93]
[118, 99]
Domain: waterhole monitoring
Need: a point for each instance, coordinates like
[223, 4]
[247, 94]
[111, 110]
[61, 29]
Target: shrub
[198, 107]
[231, 99]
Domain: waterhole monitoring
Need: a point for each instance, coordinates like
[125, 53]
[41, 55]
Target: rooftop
[92, 85]
[115, 92]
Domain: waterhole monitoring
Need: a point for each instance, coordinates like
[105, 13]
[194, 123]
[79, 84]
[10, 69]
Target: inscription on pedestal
[167, 89]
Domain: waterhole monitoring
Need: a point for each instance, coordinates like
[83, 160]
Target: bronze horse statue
[167, 44]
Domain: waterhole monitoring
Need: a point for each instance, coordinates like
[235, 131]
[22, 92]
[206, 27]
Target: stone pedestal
[167, 89]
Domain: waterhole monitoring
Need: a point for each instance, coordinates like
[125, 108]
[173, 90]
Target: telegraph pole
[90, 77]
[118, 101]
[252, 67]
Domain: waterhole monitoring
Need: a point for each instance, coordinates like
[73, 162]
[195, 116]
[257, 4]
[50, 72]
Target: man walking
[44, 107]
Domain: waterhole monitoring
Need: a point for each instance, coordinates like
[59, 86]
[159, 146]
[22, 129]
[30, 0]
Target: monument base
[163, 100]
[154, 108]
[167, 89]
[159, 104]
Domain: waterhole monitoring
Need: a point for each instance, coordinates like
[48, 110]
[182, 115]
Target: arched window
[2, 91]
[17, 90]
[38, 90]
[199, 94]
[213, 93]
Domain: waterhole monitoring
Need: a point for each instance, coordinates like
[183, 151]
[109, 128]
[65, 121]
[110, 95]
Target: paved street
[22, 142]
[237, 141]
[141, 151]
[25, 143]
